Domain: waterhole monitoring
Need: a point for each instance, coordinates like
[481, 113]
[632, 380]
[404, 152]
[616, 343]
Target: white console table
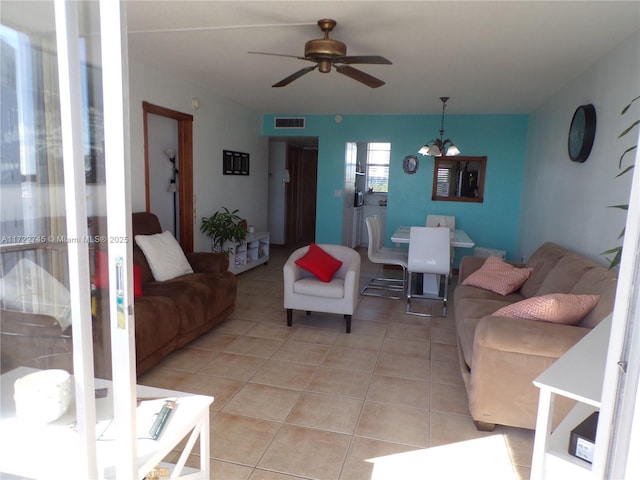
[50, 451]
[578, 375]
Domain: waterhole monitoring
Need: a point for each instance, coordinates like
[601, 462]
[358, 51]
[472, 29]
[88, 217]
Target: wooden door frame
[185, 167]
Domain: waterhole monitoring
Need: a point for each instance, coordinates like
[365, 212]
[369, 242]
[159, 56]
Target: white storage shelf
[253, 252]
[551, 458]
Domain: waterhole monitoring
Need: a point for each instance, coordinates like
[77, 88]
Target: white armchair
[303, 291]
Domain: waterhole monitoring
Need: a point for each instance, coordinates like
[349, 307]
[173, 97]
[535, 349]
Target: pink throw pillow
[563, 308]
[498, 276]
[320, 263]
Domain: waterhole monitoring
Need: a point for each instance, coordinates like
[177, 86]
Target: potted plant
[617, 251]
[224, 227]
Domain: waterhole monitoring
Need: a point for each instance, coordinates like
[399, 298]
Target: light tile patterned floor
[385, 402]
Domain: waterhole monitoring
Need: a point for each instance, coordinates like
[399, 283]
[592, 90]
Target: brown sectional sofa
[499, 356]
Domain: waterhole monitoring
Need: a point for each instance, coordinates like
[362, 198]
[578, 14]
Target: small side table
[34, 451]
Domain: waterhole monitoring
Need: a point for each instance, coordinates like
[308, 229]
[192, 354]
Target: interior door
[302, 164]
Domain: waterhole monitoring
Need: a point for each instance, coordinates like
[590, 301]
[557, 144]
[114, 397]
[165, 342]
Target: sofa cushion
[542, 261]
[319, 263]
[157, 325]
[597, 281]
[468, 312]
[556, 308]
[565, 274]
[143, 223]
[311, 286]
[165, 256]
[498, 276]
[196, 300]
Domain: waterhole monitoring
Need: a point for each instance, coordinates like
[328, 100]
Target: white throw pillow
[30, 288]
[165, 257]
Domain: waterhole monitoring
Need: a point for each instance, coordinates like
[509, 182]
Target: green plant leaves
[617, 251]
[223, 227]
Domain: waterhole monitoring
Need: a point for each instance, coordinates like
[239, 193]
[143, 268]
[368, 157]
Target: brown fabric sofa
[174, 312]
[168, 315]
[499, 356]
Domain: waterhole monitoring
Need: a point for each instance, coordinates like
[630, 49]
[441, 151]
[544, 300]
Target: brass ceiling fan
[326, 52]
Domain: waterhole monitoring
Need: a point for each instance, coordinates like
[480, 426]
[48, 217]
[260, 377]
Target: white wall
[566, 202]
[219, 124]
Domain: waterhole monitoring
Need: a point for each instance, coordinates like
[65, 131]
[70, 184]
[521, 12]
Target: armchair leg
[289, 317]
[348, 319]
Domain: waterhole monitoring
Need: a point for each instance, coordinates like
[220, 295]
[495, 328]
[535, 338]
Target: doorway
[183, 157]
[300, 204]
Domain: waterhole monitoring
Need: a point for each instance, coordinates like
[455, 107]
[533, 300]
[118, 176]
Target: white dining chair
[448, 221]
[388, 287]
[430, 255]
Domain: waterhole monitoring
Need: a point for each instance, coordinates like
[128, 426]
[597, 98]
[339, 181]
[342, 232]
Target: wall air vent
[289, 122]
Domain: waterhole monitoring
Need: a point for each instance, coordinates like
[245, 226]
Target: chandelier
[439, 147]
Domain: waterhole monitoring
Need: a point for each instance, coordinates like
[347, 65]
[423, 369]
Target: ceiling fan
[326, 52]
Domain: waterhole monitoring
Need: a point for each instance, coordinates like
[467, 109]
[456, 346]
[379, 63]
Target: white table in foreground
[459, 239]
[50, 451]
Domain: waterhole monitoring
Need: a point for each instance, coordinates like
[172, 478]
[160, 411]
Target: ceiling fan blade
[294, 76]
[370, 59]
[360, 76]
[278, 55]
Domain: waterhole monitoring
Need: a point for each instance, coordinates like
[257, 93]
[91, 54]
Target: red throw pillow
[320, 263]
[101, 279]
[137, 280]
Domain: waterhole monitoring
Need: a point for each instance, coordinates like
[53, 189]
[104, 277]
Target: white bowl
[43, 396]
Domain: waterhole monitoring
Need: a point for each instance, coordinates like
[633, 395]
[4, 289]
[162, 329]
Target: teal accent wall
[501, 138]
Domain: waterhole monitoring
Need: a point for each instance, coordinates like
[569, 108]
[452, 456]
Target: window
[378, 155]
[444, 181]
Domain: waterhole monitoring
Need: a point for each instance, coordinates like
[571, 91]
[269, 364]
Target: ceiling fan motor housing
[324, 49]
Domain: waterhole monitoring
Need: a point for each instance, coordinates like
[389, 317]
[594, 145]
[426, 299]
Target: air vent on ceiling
[282, 122]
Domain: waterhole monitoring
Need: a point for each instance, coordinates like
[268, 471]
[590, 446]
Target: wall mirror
[459, 179]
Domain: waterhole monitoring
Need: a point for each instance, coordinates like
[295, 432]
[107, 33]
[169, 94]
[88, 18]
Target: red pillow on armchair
[320, 263]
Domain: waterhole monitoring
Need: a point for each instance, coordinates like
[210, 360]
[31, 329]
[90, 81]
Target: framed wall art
[235, 163]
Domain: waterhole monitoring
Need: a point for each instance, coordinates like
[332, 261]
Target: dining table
[459, 238]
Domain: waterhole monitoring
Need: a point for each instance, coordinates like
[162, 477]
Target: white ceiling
[489, 57]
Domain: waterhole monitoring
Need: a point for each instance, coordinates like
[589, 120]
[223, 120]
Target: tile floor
[385, 402]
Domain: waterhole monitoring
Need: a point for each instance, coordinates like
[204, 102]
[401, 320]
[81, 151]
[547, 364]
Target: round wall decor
[582, 133]
[410, 164]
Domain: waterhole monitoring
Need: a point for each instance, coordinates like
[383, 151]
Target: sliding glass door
[64, 231]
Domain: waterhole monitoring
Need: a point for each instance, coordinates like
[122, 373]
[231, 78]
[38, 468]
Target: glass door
[65, 276]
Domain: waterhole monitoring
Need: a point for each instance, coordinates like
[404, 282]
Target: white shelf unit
[253, 252]
[577, 375]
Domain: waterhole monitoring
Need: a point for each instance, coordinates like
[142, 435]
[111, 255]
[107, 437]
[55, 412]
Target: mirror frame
[481, 174]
